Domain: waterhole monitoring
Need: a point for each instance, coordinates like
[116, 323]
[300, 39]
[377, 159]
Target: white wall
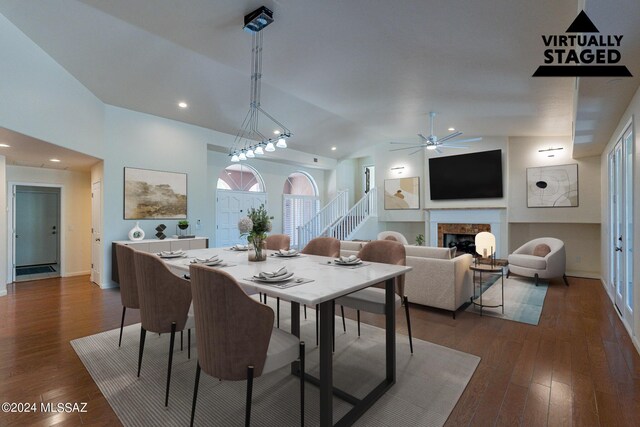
[75, 222]
[632, 112]
[523, 154]
[41, 99]
[3, 227]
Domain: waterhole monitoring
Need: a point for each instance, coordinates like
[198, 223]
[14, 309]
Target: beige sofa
[436, 280]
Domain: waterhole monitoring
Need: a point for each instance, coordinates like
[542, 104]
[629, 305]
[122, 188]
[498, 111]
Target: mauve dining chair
[236, 337]
[164, 304]
[128, 283]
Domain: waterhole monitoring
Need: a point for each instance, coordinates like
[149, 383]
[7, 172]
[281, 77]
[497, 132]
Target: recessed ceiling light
[452, 129]
[5, 145]
[183, 104]
[54, 160]
[334, 148]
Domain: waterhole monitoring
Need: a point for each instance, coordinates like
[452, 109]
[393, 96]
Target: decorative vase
[257, 249]
[136, 233]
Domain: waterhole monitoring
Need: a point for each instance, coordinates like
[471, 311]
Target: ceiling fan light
[259, 150]
[282, 143]
[235, 158]
[431, 147]
[270, 147]
[250, 153]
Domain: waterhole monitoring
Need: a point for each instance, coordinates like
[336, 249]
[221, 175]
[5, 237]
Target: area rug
[523, 300]
[428, 386]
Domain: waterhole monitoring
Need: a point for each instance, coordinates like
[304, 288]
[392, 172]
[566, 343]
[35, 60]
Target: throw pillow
[541, 250]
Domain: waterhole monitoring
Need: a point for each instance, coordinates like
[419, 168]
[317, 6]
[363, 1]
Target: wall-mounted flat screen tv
[466, 176]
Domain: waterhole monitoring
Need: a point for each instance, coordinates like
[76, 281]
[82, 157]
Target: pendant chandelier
[249, 140]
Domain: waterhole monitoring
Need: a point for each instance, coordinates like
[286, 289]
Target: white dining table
[327, 281]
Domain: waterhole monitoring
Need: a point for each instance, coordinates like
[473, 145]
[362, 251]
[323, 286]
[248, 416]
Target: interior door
[96, 232]
[230, 207]
[37, 222]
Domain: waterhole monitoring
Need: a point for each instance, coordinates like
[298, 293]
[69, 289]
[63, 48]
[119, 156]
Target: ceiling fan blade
[466, 140]
[408, 148]
[439, 151]
[422, 137]
[417, 151]
[448, 137]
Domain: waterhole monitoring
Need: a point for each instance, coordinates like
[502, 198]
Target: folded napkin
[348, 259]
[287, 252]
[271, 274]
[241, 247]
[204, 260]
[169, 253]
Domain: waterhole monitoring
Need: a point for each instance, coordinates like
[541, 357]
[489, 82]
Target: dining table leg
[295, 331]
[326, 364]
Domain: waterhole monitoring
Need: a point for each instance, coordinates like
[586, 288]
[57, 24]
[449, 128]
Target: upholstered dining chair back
[232, 330]
[278, 241]
[127, 276]
[386, 252]
[323, 246]
[164, 297]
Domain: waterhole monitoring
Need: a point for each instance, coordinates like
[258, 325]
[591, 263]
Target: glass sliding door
[620, 164]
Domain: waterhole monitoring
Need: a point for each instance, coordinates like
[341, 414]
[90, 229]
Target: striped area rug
[429, 383]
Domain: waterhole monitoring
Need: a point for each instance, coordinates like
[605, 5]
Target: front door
[230, 207]
[37, 225]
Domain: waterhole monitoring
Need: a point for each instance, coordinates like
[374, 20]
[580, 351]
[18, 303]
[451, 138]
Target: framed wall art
[151, 194]
[552, 186]
[402, 193]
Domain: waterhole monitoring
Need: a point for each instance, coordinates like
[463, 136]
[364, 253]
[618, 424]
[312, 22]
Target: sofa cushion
[347, 245]
[541, 250]
[428, 252]
[528, 261]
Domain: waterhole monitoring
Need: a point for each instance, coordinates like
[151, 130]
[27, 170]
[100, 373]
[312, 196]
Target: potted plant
[255, 226]
[183, 225]
[420, 239]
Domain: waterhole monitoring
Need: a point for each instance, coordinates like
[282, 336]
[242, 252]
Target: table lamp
[486, 245]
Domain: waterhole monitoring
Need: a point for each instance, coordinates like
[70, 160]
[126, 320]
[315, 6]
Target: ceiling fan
[432, 142]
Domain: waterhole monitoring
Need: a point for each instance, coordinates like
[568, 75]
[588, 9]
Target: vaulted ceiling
[344, 73]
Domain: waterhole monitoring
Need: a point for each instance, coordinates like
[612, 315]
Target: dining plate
[233, 248]
[274, 279]
[287, 255]
[338, 262]
[169, 256]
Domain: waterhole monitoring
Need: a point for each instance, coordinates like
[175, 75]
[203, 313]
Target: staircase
[344, 228]
[336, 209]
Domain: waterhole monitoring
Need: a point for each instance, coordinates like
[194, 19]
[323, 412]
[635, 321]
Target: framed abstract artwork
[151, 194]
[402, 193]
[552, 186]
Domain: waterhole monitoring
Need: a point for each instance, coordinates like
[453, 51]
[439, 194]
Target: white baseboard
[109, 285]
[3, 292]
[77, 273]
[585, 274]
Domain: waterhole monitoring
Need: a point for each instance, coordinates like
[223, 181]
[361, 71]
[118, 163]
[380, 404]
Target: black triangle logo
[582, 24]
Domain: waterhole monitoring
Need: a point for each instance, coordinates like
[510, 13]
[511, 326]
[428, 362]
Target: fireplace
[466, 223]
[461, 236]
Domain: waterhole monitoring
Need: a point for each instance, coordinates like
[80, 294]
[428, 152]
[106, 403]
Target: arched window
[239, 188]
[300, 203]
[240, 177]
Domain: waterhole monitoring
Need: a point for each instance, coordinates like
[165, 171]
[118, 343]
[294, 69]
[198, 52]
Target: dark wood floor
[578, 367]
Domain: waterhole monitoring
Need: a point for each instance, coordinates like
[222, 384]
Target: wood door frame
[11, 240]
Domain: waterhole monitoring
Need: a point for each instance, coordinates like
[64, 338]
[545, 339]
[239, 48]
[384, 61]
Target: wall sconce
[398, 169]
[550, 151]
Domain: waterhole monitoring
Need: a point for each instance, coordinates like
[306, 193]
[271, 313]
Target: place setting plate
[171, 254]
[286, 254]
[280, 279]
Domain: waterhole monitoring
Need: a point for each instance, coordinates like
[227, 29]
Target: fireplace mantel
[495, 217]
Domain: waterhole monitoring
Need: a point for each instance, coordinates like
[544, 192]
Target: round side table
[491, 269]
